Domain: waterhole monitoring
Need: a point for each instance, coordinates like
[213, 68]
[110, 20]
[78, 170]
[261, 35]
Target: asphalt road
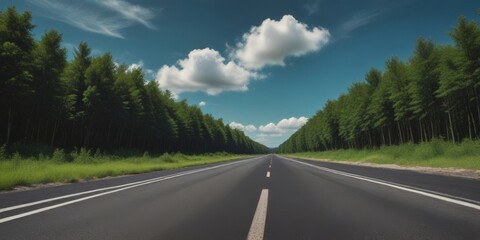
[269, 196]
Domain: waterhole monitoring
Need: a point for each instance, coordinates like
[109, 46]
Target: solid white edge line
[122, 187]
[75, 194]
[392, 185]
[257, 228]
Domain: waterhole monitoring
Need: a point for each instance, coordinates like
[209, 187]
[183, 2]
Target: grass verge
[17, 170]
[437, 153]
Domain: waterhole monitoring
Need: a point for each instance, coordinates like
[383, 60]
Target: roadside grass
[437, 153]
[18, 170]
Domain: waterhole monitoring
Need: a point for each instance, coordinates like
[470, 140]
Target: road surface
[268, 197]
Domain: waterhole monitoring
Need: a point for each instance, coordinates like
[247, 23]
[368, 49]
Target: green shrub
[3, 152]
[16, 157]
[166, 157]
[436, 153]
[41, 157]
[59, 156]
[429, 150]
[83, 156]
[98, 153]
[466, 148]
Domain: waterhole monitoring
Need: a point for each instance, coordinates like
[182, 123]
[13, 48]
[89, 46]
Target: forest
[91, 102]
[435, 94]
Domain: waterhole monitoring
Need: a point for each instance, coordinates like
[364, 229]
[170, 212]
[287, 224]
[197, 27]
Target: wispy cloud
[358, 20]
[107, 17]
[312, 7]
[130, 11]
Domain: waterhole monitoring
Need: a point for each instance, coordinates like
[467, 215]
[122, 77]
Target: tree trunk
[469, 127]
[54, 131]
[421, 129]
[410, 126]
[451, 126]
[389, 136]
[369, 139]
[9, 125]
[474, 124]
[383, 135]
[432, 128]
[144, 139]
[108, 132]
[400, 132]
[447, 131]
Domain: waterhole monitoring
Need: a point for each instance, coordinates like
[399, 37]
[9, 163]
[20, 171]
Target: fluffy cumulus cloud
[202, 104]
[271, 128]
[134, 66]
[283, 125]
[292, 123]
[273, 41]
[272, 134]
[245, 128]
[204, 70]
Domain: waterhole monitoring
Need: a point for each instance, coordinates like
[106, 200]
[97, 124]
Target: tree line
[91, 102]
[433, 95]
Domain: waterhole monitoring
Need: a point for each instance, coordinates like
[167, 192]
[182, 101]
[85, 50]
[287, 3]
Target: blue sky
[263, 66]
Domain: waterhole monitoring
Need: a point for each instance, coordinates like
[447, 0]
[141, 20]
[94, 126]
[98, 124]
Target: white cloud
[106, 17]
[358, 20]
[283, 125]
[271, 134]
[202, 104]
[245, 128]
[148, 73]
[130, 11]
[271, 128]
[134, 66]
[204, 70]
[292, 123]
[273, 41]
[312, 7]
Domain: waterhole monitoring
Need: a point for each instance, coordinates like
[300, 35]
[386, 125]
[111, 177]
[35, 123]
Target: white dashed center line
[257, 228]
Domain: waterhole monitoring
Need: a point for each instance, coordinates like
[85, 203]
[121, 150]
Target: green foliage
[83, 156]
[25, 171]
[3, 152]
[59, 156]
[91, 103]
[16, 157]
[437, 153]
[16, 44]
[429, 150]
[435, 95]
[166, 157]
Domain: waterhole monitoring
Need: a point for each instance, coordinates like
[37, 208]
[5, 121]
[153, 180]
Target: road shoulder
[452, 172]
